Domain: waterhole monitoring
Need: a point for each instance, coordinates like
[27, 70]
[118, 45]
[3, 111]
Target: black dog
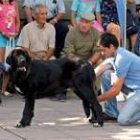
[38, 79]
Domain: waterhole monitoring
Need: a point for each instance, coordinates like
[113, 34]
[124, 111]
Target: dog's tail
[86, 108]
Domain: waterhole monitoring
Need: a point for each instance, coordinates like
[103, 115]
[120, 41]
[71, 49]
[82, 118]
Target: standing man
[120, 72]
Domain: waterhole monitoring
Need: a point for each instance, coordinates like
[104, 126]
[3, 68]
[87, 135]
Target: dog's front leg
[28, 112]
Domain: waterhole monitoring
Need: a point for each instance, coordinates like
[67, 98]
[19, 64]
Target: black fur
[38, 79]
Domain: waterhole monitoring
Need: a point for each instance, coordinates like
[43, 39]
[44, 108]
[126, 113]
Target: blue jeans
[130, 113]
[137, 44]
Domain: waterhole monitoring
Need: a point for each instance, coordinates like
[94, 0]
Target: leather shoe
[108, 118]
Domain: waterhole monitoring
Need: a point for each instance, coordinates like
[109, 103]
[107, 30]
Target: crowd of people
[95, 32]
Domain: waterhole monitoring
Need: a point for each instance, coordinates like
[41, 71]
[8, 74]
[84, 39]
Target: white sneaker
[7, 94]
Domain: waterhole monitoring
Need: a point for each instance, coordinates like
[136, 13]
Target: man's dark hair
[106, 39]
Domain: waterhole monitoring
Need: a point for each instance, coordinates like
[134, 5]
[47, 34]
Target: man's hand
[90, 62]
[53, 21]
[113, 91]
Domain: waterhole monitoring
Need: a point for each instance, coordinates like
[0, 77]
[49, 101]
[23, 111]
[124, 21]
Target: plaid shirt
[108, 12]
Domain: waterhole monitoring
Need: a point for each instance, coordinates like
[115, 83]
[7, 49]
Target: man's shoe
[62, 97]
[53, 98]
[8, 94]
[108, 118]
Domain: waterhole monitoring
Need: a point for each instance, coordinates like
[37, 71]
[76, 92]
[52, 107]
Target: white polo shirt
[37, 39]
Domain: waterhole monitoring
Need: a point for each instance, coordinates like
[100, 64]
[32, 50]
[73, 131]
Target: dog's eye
[14, 54]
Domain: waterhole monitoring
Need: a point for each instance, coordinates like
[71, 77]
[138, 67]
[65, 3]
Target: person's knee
[106, 75]
[123, 120]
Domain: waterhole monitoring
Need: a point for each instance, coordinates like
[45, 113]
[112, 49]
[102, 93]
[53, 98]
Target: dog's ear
[9, 58]
[26, 53]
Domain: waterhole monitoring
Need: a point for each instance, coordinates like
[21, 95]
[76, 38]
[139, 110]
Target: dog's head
[19, 59]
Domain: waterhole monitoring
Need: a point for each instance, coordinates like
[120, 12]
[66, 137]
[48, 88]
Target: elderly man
[38, 37]
[81, 41]
[56, 11]
[120, 72]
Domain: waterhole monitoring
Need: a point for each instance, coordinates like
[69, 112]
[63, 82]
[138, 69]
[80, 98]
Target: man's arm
[51, 43]
[69, 50]
[99, 18]
[102, 68]
[17, 19]
[50, 53]
[24, 41]
[73, 21]
[95, 50]
[28, 14]
[31, 54]
[60, 14]
[58, 17]
[95, 58]
[113, 91]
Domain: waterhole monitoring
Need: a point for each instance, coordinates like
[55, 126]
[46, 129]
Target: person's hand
[90, 62]
[70, 26]
[6, 35]
[46, 59]
[53, 21]
[15, 35]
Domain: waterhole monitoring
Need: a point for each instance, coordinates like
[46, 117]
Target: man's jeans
[130, 112]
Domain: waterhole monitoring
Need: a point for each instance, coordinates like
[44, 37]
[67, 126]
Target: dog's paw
[92, 120]
[96, 124]
[20, 125]
[100, 121]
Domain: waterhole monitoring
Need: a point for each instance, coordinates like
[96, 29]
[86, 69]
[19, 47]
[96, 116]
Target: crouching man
[119, 72]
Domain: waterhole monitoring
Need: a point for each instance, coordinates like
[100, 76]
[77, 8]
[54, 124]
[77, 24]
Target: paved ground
[58, 121]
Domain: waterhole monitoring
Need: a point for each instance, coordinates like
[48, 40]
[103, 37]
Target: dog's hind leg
[28, 112]
[85, 92]
[86, 108]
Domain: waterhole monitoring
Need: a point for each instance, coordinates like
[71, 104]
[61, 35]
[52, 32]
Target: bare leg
[6, 78]
[2, 54]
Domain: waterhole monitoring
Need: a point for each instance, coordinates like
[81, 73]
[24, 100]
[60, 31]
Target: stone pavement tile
[126, 133]
[8, 123]
[7, 135]
[48, 115]
[108, 132]
[96, 138]
[39, 132]
[55, 139]
[69, 108]
[9, 113]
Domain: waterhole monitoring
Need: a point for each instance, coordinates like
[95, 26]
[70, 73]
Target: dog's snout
[22, 61]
